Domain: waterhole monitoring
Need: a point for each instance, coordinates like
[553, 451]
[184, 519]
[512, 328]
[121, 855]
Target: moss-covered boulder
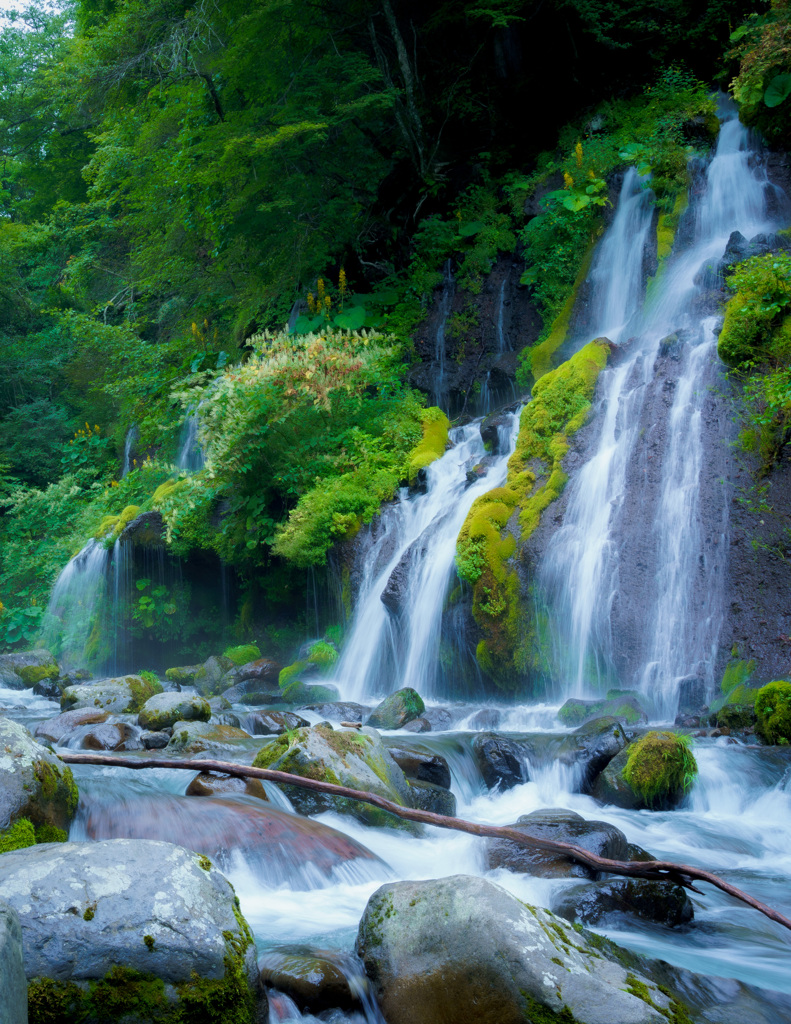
[625, 706]
[182, 675]
[130, 930]
[118, 696]
[773, 712]
[209, 679]
[308, 693]
[242, 654]
[397, 709]
[200, 737]
[13, 665]
[165, 709]
[35, 785]
[655, 773]
[346, 757]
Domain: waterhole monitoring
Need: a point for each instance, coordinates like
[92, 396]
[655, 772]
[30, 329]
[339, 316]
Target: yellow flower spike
[578, 154]
[568, 181]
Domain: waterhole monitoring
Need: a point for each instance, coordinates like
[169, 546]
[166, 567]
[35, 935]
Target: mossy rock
[660, 768]
[773, 713]
[737, 672]
[397, 709]
[199, 737]
[163, 710]
[627, 708]
[432, 445]
[209, 679]
[32, 674]
[736, 710]
[306, 693]
[345, 757]
[182, 675]
[34, 784]
[243, 654]
[118, 696]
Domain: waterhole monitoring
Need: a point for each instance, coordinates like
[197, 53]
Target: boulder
[396, 589]
[163, 710]
[316, 979]
[146, 530]
[111, 736]
[421, 765]
[13, 984]
[397, 709]
[624, 705]
[426, 796]
[562, 826]
[57, 730]
[154, 740]
[339, 711]
[197, 737]
[440, 719]
[615, 900]
[309, 693]
[218, 784]
[52, 689]
[259, 674]
[121, 695]
[436, 949]
[486, 719]
[34, 783]
[274, 723]
[96, 917]
[418, 725]
[655, 773]
[254, 698]
[207, 679]
[612, 788]
[182, 675]
[347, 757]
[501, 761]
[11, 666]
[592, 746]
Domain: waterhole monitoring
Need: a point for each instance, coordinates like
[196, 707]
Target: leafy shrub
[755, 328]
[773, 713]
[660, 768]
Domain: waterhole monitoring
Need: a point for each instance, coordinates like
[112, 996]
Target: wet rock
[521, 963]
[612, 788]
[34, 783]
[739, 249]
[491, 429]
[306, 693]
[625, 706]
[273, 723]
[418, 725]
[86, 908]
[154, 740]
[397, 587]
[116, 696]
[592, 746]
[561, 826]
[426, 796]
[692, 695]
[219, 704]
[49, 688]
[316, 979]
[111, 736]
[261, 674]
[182, 675]
[348, 757]
[57, 730]
[440, 719]
[397, 709]
[11, 666]
[13, 984]
[421, 765]
[146, 530]
[339, 711]
[163, 710]
[208, 678]
[615, 899]
[218, 784]
[501, 761]
[670, 346]
[199, 737]
[486, 719]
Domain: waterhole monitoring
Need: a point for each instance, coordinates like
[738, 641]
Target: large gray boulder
[13, 985]
[34, 783]
[435, 950]
[97, 912]
[12, 665]
[165, 709]
[118, 696]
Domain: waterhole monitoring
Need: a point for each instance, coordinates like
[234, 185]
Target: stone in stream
[34, 783]
[316, 979]
[615, 901]
[302, 694]
[116, 696]
[426, 796]
[397, 709]
[13, 984]
[501, 762]
[96, 917]
[57, 730]
[348, 757]
[486, 719]
[111, 736]
[219, 784]
[154, 740]
[260, 674]
[182, 675]
[274, 723]
[163, 710]
[562, 826]
[612, 788]
[422, 765]
[206, 737]
[621, 704]
[418, 725]
[592, 746]
[207, 679]
[12, 666]
[339, 711]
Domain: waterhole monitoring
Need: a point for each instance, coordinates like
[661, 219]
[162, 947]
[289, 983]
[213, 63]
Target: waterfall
[395, 635]
[131, 436]
[502, 341]
[73, 604]
[190, 452]
[633, 573]
[444, 306]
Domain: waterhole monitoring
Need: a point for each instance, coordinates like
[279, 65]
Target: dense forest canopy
[179, 178]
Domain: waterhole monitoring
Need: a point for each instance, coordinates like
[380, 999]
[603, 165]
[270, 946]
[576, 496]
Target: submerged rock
[614, 900]
[219, 784]
[163, 710]
[501, 761]
[316, 979]
[58, 729]
[34, 783]
[516, 964]
[104, 914]
[561, 826]
[397, 709]
[346, 757]
[623, 705]
[274, 723]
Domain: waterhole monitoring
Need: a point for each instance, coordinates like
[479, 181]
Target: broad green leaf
[576, 202]
[306, 324]
[351, 319]
[472, 228]
[778, 90]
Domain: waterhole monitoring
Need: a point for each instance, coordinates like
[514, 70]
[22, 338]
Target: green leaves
[778, 90]
[351, 319]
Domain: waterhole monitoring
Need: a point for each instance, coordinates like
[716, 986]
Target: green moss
[666, 227]
[501, 520]
[32, 674]
[18, 836]
[660, 768]
[204, 862]
[431, 446]
[737, 672]
[149, 942]
[301, 693]
[290, 673]
[111, 527]
[773, 712]
[47, 833]
[322, 654]
[54, 1002]
[676, 1012]
[540, 356]
[142, 688]
[243, 654]
[537, 1013]
[184, 676]
[52, 778]
[90, 912]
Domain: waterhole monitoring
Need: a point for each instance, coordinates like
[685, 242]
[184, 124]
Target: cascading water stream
[73, 603]
[632, 567]
[415, 544]
[190, 452]
[131, 436]
[444, 307]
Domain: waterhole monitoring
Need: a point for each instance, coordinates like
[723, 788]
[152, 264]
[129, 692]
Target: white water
[131, 436]
[190, 456]
[444, 306]
[583, 564]
[384, 652]
[74, 603]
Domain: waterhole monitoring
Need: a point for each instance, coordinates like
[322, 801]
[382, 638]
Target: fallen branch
[654, 870]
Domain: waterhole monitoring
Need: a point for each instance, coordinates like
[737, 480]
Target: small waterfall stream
[190, 456]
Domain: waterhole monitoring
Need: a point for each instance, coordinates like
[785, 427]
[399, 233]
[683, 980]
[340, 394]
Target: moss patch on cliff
[432, 445]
